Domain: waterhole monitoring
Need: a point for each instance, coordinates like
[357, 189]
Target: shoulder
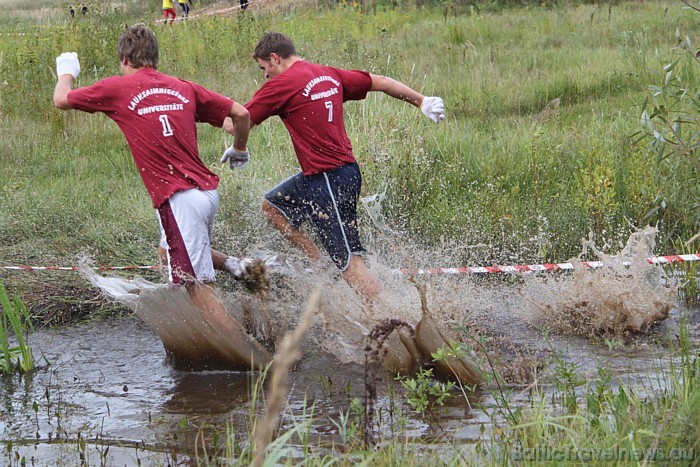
[104, 86]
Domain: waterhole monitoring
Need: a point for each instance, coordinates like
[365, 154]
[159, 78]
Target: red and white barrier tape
[467, 270]
[75, 268]
[544, 267]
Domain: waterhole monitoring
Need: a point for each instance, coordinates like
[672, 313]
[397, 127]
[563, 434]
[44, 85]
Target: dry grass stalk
[283, 360]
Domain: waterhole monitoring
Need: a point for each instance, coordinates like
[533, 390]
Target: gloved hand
[67, 64]
[236, 158]
[433, 108]
[250, 271]
[233, 266]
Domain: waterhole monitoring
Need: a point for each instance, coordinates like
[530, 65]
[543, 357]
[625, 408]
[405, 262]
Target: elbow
[244, 115]
[379, 83]
[61, 102]
[239, 116]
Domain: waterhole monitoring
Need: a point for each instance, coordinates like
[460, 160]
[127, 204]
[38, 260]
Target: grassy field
[536, 152]
[539, 149]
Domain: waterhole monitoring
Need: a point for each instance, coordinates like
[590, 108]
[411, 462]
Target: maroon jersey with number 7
[309, 99]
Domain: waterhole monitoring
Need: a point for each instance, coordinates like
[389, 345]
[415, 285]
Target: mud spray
[626, 296]
[508, 313]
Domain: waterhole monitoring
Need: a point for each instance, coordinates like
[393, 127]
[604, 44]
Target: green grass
[536, 151]
[15, 320]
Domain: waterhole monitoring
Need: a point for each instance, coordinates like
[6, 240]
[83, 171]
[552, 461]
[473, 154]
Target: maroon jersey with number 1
[309, 100]
[157, 114]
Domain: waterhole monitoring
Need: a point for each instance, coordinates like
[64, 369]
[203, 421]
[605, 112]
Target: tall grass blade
[15, 317]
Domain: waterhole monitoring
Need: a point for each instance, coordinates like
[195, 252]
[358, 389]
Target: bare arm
[230, 127]
[238, 124]
[396, 90]
[60, 93]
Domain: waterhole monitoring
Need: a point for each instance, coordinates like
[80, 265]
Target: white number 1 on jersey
[167, 129]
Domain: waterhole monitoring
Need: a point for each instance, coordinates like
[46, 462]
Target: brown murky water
[108, 384]
[109, 397]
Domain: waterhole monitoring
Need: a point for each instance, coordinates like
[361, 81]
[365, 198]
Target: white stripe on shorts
[338, 218]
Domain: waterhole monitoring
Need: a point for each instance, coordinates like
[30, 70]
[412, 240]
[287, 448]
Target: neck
[128, 70]
[289, 61]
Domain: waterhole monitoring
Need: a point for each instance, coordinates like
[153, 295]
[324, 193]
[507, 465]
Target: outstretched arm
[432, 107]
[67, 69]
[396, 89]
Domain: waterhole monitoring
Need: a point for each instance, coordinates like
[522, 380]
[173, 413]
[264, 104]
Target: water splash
[627, 295]
[195, 337]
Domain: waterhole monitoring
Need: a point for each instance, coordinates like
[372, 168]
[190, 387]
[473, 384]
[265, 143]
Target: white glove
[234, 267]
[242, 269]
[433, 108]
[67, 64]
[236, 158]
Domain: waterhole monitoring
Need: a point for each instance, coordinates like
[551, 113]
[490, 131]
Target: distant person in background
[244, 5]
[84, 9]
[71, 11]
[157, 114]
[168, 11]
[309, 99]
[185, 7]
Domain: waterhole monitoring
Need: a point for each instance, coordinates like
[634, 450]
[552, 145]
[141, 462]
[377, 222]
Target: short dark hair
[139, 46]
[274, 42]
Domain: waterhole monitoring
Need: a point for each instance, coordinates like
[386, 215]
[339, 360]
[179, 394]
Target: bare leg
[204, 297]
[297, 236]
[359, 278]
[214, 312]
[163, 255]
[356, 275]
[219, 259]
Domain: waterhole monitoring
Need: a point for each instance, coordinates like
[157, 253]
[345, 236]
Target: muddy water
[108, 395]
[108, 382]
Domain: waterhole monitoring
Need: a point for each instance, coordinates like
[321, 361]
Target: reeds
[283, 360]
[15, 321]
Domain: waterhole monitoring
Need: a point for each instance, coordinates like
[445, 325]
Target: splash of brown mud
[194, 338]
[626, 296]
[430, 340]
[257, 279]
[506, 314]
[396, 351]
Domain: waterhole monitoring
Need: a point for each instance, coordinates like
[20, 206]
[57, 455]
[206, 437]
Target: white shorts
[186, 222]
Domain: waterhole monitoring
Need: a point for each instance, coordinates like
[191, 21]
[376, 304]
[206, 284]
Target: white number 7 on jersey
[167, 129]
[329, 106]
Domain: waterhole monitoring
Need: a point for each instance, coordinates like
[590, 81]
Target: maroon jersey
[309, 100]
[157, 114]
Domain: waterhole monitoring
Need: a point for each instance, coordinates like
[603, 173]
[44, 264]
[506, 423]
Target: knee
[268, 208]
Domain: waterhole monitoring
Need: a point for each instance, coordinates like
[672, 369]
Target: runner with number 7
[309, 99]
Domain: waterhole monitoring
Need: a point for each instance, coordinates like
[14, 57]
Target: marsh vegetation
[565, 120]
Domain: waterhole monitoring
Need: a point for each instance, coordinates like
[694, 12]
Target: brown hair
[274, 42]
[139, 46]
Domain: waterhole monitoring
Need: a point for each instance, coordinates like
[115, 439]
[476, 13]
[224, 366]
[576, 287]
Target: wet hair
[274, 42]
[139, 46]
